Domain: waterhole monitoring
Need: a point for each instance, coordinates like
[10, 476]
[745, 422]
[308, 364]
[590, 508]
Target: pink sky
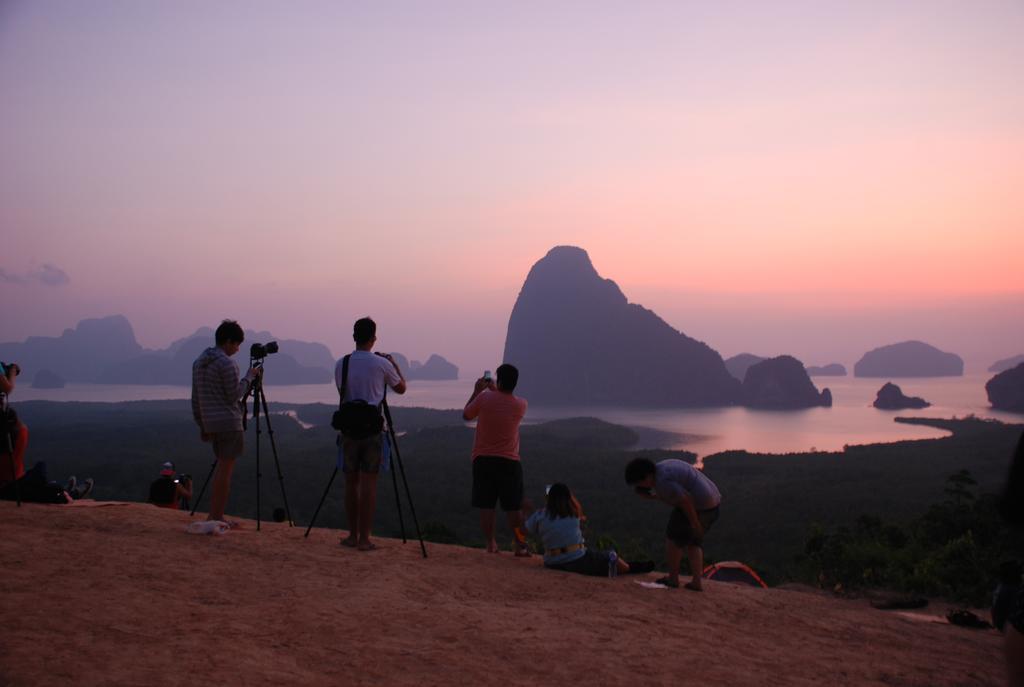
[812, 178]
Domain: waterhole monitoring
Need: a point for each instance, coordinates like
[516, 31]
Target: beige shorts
[228, 445]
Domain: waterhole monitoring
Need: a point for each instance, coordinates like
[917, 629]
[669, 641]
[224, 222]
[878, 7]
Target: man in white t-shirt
[369, 375]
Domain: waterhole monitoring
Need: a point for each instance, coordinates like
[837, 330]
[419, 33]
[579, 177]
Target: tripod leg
[277, 463]
[322, 499]
[256, 415]
[394, 483]
[14, 471]
[203, 490]
[408, 497]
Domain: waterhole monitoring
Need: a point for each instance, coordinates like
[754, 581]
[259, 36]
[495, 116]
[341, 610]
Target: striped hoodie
[216, 392]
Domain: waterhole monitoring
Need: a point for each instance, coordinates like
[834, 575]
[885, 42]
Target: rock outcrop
[47, 379]
[435, 368]
[79, 354]
[909, 359]
[577, 340]
[782, 383]
[830, 370]
[739, 364]
[1006, 363]
[891, 397]
[1006, 390]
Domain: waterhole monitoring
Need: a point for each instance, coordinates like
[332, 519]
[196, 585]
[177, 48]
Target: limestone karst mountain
[577, 340]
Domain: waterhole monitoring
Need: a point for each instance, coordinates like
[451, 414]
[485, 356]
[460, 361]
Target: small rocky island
[909, 359]
[1006, 390]
[782, 383]
[47, 379]
[739, 364]
[891, 397]
[1006, 363]
[830, 370]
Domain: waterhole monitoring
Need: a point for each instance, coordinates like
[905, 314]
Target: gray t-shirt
[673, 478]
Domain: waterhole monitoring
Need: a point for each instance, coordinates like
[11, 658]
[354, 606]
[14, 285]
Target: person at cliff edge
[694, 499]
[216, 395]
[497, 470]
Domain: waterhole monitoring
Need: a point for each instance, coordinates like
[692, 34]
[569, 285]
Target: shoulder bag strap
[344, 381]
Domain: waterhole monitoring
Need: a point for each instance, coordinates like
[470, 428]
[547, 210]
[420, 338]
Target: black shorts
[593, 563]
[679, 530]
[497, 479]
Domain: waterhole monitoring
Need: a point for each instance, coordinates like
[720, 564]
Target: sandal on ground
[349, 542]
[367, 547]
[667, 582]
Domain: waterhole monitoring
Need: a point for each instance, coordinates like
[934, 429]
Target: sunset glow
[851, 172]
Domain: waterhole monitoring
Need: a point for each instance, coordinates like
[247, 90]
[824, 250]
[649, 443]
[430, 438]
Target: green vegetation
[770, 502]
[953, 550]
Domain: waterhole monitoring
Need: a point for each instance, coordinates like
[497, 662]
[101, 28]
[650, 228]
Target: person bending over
[216, 408]
[497, 471]
[557, 525]
[694, 499]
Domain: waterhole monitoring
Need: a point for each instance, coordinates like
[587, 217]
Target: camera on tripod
[260, 351]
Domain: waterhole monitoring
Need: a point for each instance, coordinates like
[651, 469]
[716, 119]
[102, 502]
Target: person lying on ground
[557, 525]
[35, 486]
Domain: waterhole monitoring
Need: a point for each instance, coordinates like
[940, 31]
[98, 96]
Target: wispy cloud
[47, 275]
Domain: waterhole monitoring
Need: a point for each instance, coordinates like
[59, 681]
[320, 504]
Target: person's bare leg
[515, 523]
[367, 506]
[352, 508]
[695, 555]
[220, 488]
[674, 558]
[487, 524]
[1014, 647]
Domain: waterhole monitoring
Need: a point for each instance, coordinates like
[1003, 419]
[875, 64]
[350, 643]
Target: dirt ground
[121, 595]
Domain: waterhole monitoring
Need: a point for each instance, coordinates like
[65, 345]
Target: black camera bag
[355, 419]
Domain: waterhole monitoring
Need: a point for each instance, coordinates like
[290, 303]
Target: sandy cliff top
[120, 595]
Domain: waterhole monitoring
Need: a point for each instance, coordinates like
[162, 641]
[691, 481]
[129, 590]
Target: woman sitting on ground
[558, 527]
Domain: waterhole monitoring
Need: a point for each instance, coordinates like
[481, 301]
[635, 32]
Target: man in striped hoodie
[216, 395]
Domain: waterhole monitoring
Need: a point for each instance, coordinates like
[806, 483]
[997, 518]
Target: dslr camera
[182, 479]
[12, 366]
[260, 351]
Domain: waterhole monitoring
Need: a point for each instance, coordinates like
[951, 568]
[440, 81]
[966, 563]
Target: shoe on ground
[84, 490]
[641, 567]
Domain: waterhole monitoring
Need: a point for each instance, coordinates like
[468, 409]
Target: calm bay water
[851, 420]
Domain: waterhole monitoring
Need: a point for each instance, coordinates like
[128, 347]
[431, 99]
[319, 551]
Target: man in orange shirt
[497, 472]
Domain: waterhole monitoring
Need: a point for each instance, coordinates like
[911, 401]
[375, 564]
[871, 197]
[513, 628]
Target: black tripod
[259, 400]
[394, 483]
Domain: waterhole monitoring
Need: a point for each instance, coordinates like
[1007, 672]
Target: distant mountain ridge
[577, 340]
[104, 351]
